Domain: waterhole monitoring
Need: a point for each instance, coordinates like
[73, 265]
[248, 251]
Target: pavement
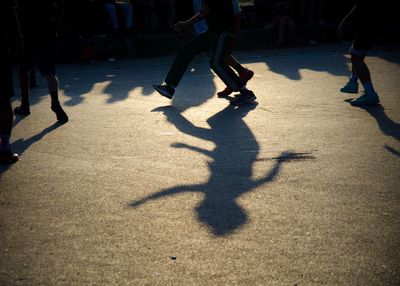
[299, 188]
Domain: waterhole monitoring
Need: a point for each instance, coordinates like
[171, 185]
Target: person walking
[9, 31]
[218, 40]
[245, 74]
[38, 23]
[367, 18]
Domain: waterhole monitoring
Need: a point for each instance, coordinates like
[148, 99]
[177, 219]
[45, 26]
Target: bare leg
[360, 69]
[53, 84]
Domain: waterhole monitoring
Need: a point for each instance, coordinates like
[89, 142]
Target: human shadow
[385, 123]
[235, 151]
[291, 61]
[21, 145]
[114, 84]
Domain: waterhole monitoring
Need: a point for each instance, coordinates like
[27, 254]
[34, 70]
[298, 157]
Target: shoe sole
[351, 92]
[223, 94]
[162, 92]
[245, 101]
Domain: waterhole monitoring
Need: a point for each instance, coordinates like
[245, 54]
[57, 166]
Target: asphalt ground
[299, 188]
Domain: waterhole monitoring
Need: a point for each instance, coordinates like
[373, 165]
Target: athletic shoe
[164, 90]
[350, 87]
[22, 110]
[246, 96]
[245, 75]
[7, 157]
[57, 109]
[368, 98]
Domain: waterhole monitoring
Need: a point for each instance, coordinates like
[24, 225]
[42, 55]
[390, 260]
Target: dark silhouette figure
[386, 125]
[231, 167]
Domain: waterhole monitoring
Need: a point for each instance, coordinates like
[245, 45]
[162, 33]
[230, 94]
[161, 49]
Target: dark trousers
[219, 46]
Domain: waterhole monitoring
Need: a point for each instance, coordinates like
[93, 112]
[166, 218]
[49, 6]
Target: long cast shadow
[386, 125]
[21, 145]
[231, 167]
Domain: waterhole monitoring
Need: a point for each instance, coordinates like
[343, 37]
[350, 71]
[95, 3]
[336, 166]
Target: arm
[182, 25]
[15, 32]
[348, 19]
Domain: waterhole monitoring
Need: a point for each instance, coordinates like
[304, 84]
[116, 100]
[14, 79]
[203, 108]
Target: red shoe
[7, 157]
[246, 75]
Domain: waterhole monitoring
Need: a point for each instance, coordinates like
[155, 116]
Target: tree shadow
[236, 149]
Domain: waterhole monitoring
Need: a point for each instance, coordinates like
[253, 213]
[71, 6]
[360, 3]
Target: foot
[8, 157]
[368, 98]
[22, 110]
[246, 96]
[245, 75]
[227, 91]
[350, 87]
[164, 90]
[60, 113]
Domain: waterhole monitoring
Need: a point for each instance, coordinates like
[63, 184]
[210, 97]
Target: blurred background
[97, 29]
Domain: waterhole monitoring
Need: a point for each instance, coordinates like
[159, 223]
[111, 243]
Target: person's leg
[218, 62]
[352, 85]
[370, 97]
[112, 13]
[245, 74]
[6, 114]
[127, 11]
[360, 68]
[193, 47]
[47, 66]
[221, 48]
[24, 78]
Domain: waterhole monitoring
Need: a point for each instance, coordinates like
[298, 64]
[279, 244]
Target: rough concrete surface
[299, 189]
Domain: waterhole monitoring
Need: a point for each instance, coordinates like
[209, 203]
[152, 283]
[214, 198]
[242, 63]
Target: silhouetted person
[9, 30]
[283, 24]
[218, 39]
[201, 26]
[38, 22]
[368, 18]
[115, 9]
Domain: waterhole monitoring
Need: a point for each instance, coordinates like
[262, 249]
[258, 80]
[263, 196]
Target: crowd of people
[95, 17]
[31, 27]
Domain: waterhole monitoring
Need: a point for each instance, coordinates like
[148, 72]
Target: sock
[5, 142]
[353, 78]
[368, 87]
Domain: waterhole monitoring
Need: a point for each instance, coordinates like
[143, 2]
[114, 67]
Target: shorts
[364, 38]
[6, 84]
[41, 52]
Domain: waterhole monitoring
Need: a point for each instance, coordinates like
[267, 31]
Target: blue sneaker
[350, 87]
[368, 98]
[164, 90]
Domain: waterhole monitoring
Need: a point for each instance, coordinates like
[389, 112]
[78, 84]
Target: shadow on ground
[21, 145]
[231, 167]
